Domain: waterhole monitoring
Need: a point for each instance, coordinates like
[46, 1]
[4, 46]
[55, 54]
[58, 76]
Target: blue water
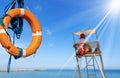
[56, 74]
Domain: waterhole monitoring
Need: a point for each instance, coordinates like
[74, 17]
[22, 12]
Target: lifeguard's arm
[75, 45]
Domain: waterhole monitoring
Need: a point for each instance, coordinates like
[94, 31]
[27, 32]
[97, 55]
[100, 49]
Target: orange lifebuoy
[82, 49]
[36, 33]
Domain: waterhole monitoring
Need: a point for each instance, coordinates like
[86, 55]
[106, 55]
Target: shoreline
[22, 70]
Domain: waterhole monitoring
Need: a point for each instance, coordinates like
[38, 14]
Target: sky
[59, 19]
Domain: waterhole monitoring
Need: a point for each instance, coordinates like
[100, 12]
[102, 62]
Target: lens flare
[115, 6]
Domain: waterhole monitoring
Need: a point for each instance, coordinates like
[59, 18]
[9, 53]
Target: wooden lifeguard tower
[92, 59]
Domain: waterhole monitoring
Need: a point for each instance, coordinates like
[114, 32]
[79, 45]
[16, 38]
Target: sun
[115, 6]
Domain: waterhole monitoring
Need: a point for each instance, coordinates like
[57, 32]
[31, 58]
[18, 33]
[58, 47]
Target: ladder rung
[91, 74]
[90, 65]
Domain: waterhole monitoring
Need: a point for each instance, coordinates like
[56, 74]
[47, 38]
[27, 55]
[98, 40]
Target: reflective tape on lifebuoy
[36, 33]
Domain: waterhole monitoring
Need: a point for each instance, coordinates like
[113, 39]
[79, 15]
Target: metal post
[74, 72]
[102, 65]
[94, 66]
[79, 75]
[102, 72]
[86, 66]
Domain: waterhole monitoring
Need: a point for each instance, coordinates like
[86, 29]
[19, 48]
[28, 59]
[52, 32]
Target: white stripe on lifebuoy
[37, 34]
[24, 53]
[22, 12]
[2, 31]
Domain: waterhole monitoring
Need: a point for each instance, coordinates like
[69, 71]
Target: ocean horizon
[58, 73]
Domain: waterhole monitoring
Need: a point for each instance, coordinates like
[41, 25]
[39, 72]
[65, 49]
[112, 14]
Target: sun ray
[103, 28]
[99, 24]
[64, 65]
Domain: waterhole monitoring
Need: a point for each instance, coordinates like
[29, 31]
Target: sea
[58, 74]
